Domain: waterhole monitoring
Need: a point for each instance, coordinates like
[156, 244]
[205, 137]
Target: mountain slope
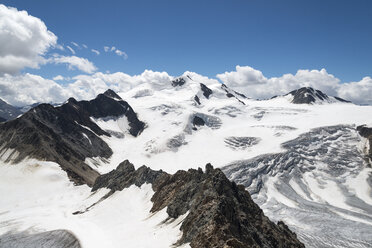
[302, 163]
[66, 135]
[218, 212]
[319, 181]
[8, 112]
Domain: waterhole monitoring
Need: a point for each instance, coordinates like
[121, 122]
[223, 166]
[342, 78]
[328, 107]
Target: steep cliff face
[219, 213]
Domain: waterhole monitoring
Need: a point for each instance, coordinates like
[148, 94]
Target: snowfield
[302, 164]
[40, 198]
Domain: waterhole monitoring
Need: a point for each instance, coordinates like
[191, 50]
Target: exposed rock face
[366, 132]
[220, 213]
[232, 93]
[66, 134]
[197, 100]
[308, 95]
[197, 121]
[206, 91]
[8, 112]
[104, 105]
[178, 82]
[51, 239]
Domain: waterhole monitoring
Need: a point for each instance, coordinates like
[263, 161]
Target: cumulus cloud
[88, 86]
[24, 39]
[357, 92]
[26, 89]
[244, 75]
[253, 83]
[74, 62]
[95, 51]
[106, 48]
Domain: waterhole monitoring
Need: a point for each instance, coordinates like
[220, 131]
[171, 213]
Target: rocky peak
[66, 134]
[219, 212]
[112, 94]
[308, 95]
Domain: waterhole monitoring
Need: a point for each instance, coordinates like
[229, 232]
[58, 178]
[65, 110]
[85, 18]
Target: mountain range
[75, 171]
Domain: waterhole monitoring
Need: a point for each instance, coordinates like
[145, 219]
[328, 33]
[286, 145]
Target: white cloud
[24, 39]
[85, 46]
[95, 51]
[254, 84]
[88, 86]
[74, 62]
[121, 53]
[75, 44]
[58, 78]
[28, 88]
[244, 75]
[116, 51]
[357, 92]
[59, 47]
[71, 50]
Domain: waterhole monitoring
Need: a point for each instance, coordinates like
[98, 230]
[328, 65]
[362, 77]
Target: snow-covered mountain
[303, 163]
[308, 95]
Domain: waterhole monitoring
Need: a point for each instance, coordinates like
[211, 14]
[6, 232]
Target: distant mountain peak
[309, 95]
[7, 111]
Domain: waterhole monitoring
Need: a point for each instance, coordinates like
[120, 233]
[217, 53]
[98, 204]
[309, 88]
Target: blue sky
[211, 37]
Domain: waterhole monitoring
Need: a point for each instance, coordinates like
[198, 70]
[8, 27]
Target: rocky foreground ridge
[219, 212]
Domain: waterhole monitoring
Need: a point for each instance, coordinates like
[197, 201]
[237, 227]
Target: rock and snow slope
[302, 163]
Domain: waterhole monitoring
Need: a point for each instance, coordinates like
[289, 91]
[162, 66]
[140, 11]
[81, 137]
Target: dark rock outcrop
[108, 104]
[66, 134]
[197, 121]
[219, 212]
[178, 82]
[8, 112]
[308, 95]
[206, 91]
[232, 93]
[197, 100]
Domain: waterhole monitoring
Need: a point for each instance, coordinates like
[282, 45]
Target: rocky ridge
[66, 134]
[308, 95]
[219, 212]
